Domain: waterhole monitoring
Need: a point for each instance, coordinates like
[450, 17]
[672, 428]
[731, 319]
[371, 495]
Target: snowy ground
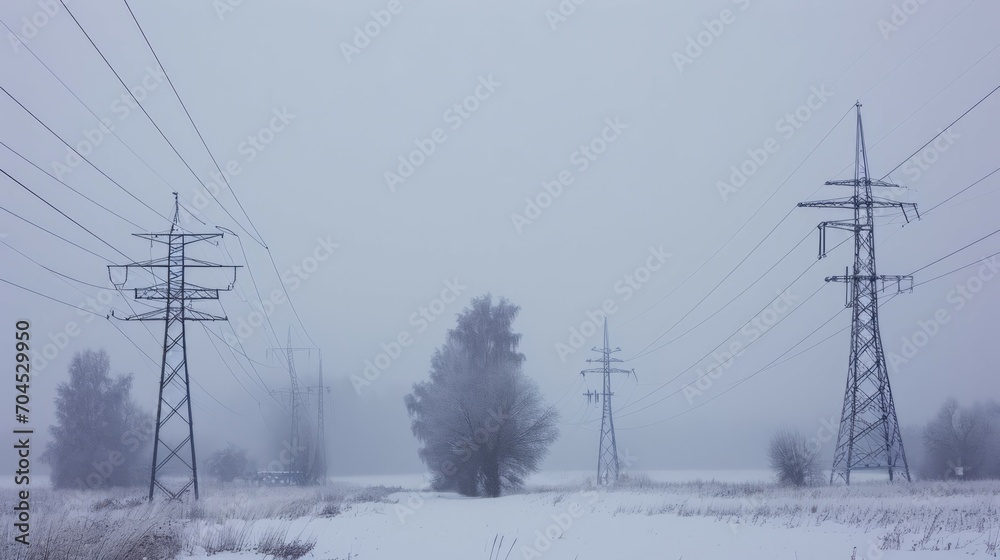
[558, 516]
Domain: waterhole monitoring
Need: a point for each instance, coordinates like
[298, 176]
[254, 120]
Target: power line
[65, 215]
[643, 352]
[112, 323]
[84, 158]
[987, 176]
[775, 362]
[253, 281]
[50, 298]
[716, 366]
[91, 111]
[918, 109]
[969, 110]
[745, 223]
[259, 381]
[156, 126]
[988, 235]
[57, 273]
[770, 365]
[807, 157]
[148, 357]
[55, 234]
[259, 239]
[230, 369]
[745, 290]
[60, 181]
[709, 354]
[225, 179]
[243, 352]
[289, 298]
[959, 269]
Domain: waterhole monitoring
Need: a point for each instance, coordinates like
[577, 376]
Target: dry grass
[907, 516]
[120, 524]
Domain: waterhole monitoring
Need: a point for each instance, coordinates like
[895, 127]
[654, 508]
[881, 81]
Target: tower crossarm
[851, 202]
[177, 238]
[854, 183]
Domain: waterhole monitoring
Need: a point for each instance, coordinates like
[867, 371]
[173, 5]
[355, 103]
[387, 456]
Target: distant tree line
[960, 442]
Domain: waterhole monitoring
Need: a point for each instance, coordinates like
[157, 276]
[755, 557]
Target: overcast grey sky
[386, 153]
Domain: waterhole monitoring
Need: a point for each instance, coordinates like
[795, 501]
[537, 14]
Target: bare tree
[793, 460]
[481, 420]
[963, 442]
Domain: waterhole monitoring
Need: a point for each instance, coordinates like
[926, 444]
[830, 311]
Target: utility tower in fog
[869, 436]
[296, 412]
[317, 467]
[177, 280]
[607, 459]
[308, 465]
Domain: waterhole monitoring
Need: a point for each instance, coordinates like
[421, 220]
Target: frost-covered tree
[481, 421]
[101, 437]
[793, 460]
[963, 440]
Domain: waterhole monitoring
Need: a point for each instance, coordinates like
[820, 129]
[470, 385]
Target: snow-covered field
[557, 516]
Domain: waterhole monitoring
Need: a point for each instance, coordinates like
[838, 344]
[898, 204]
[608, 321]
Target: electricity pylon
[296, 412]
[173, 440]
[607, 459]
[869, 436]
[317, 467]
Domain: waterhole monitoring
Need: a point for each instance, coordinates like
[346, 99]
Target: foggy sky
[541, 87]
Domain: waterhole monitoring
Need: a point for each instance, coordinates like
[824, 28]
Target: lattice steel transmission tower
[317, 466]
[297, 414]
[607, 459]
[869, 436]
[173, 440]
